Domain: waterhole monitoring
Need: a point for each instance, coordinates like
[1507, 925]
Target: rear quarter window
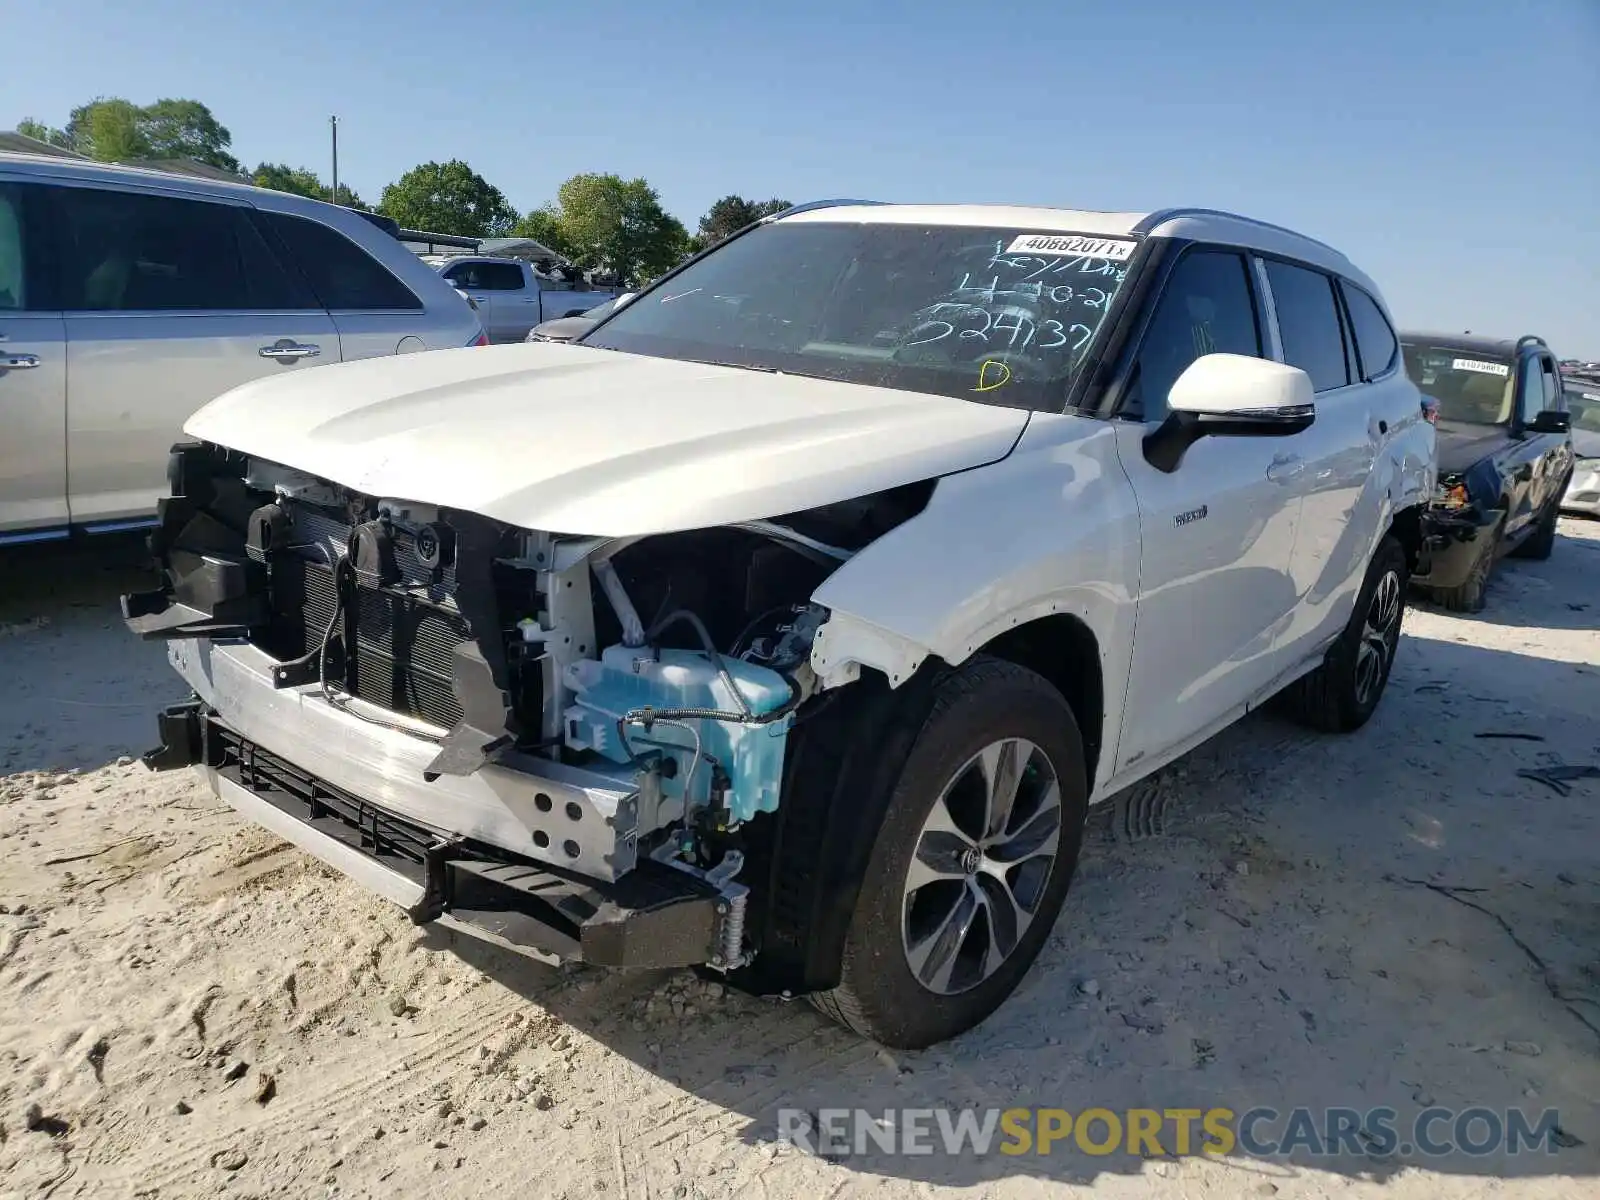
[341, 273]
[1376, 343]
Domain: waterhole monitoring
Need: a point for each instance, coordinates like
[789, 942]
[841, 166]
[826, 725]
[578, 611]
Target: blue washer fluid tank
[625, 678]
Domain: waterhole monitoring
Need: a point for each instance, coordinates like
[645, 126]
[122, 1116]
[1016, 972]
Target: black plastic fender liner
[806, 862]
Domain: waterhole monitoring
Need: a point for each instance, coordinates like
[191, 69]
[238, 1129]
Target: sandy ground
[188, 1007]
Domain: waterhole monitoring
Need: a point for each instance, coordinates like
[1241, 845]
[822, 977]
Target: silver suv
[129, 298]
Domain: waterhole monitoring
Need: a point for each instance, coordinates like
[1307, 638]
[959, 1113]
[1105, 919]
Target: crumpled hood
[1460, 446]
[571, 439]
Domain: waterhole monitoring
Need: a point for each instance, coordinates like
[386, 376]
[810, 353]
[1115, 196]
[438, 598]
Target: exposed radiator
[403, 645]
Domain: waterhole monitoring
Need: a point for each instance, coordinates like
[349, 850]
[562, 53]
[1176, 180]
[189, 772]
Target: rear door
[1341, 505]
[169, 300]
[33, 373]
[375, 312]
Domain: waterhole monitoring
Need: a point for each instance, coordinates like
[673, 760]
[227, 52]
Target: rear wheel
[1342, 694]
[972, 862]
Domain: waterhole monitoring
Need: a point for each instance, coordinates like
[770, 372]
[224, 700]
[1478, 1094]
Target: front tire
[971, 864]
[1472, 593]
[1341, 695]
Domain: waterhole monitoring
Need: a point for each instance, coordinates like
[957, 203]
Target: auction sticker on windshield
[1485, 368]
[1116, 249]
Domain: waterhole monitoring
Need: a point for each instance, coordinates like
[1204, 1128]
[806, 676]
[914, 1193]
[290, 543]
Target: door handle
[287, 351]
[1285, 467]
[18, 362]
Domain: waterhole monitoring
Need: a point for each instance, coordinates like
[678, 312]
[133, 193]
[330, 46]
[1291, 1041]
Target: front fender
[1051, 529]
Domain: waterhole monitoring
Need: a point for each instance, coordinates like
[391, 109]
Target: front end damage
[560, 743]
[1456, 531]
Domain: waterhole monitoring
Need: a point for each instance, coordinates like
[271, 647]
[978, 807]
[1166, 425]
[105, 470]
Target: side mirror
[1230, 395]
[1550, 421]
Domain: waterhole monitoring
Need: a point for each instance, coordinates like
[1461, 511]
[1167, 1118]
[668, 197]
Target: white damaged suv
[787, 623]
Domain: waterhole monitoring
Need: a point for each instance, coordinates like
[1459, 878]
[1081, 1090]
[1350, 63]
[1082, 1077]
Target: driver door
[1217, 532]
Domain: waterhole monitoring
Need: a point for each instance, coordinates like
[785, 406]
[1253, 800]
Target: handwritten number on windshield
[1023, 333]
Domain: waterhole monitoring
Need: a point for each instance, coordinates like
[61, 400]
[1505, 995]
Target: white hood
[576, 440]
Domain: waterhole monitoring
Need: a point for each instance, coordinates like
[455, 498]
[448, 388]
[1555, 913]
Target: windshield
[1472, 388]
[1001, 316]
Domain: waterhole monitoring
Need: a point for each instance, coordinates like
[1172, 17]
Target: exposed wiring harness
[684, 616]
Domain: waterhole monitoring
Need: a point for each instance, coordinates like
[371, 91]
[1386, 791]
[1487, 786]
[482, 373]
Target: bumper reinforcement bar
[653, 917]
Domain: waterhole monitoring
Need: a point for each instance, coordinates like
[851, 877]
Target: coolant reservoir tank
[625, 679]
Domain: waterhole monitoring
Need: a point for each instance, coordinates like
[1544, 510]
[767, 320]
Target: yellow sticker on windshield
[991, 375]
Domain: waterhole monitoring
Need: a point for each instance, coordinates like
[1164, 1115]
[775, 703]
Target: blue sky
[1450, 148]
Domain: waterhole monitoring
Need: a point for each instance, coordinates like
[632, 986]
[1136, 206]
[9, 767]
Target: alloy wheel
[1380, 634]
[981, 863]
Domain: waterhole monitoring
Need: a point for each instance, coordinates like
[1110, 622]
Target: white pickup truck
[788, 624]
[512, 297]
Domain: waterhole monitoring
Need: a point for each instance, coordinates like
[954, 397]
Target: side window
[137, 252]
[1375, 340]
[1552, 384]
[501, 277]
[464, 275]
[1531, 373]
[341, 273]
[1207, 307]
[1308, 324]
[15, 259]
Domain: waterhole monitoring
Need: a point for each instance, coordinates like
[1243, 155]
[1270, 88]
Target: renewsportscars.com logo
[1158, 1132]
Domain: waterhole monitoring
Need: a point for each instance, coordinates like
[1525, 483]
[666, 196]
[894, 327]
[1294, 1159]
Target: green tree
[619, 225]
[448, 198]
[109, 129]
[186, 129]
[112, 129]
[41, 132]
[731, 214]
[281, 177]
[543, 225]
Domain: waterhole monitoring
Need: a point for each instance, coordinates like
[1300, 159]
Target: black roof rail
[812, 204]
[394, 229]
[469, 244]
[1527, 338]
[1147, 223]
[388, 224]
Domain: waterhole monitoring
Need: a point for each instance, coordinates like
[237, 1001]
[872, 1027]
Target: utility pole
[333, 124]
